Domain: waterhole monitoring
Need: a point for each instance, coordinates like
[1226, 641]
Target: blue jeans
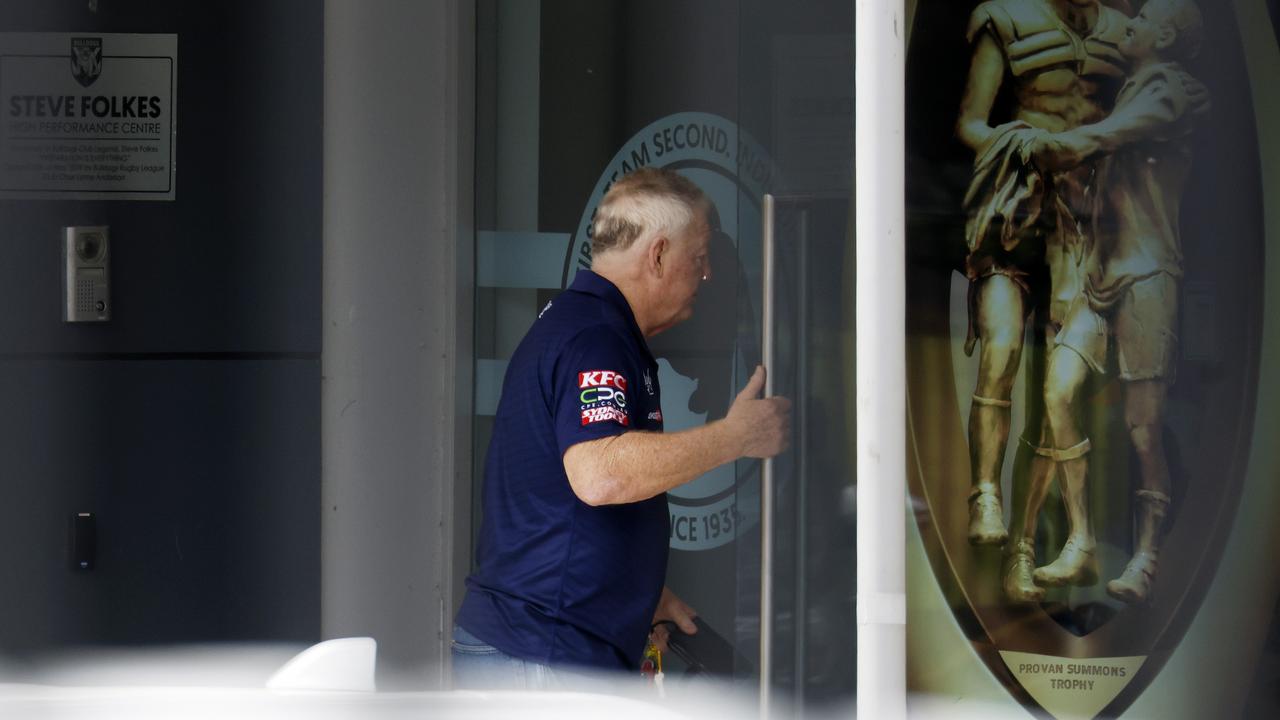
[478, 665]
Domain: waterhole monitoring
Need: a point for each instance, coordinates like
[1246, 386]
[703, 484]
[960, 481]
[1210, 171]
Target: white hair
[644, 204]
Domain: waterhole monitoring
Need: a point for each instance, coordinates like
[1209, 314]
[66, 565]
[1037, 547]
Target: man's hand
[763, 425]
[1056, 152]
[638, 465]
[672, 608]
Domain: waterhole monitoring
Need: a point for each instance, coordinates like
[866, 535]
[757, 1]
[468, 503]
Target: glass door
[751, 99]
[796, 96]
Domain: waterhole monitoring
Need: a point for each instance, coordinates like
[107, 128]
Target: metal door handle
[766, 468]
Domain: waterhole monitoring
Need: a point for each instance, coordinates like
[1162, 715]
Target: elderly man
[573, 549]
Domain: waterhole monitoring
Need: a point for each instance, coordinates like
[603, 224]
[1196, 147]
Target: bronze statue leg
[1019, 584]
[1143, 410]
[1076, 563]
[1033, 473]
[1001, 318]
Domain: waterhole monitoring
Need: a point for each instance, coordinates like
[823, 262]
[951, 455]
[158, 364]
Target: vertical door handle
[766, 468]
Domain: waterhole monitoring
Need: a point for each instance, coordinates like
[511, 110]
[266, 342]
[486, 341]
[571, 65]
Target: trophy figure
[1133, 268]
[1024, 234]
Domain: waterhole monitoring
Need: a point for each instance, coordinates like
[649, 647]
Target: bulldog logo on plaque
[1083, 322]
[86, 59]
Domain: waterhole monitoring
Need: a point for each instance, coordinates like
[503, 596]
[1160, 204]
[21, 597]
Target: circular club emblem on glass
[705, 360]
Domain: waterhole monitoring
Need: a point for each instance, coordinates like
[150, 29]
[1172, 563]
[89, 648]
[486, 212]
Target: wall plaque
[88, 116]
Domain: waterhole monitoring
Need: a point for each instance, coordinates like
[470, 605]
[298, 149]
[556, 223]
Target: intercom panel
[86, 271]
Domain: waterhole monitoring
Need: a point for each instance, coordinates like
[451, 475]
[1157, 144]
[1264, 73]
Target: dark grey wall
[190, 422]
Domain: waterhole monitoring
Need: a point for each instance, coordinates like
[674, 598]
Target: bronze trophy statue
[1125, 317]
[1060, 62]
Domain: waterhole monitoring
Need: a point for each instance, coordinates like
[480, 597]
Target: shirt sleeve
[989, 16]
[1163, 107]
[592, 388]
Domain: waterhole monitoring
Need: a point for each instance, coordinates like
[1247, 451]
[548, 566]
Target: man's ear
[656, 255]
[1166, 36]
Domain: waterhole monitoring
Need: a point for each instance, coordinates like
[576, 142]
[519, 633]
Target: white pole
[766, 466]
[880, 77]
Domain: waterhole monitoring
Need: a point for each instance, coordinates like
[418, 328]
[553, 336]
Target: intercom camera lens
[88, 247]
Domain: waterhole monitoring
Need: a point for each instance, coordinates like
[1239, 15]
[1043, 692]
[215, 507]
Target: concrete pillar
[398, 307]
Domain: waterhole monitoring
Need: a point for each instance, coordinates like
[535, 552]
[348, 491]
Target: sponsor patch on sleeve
[604, 414]
[602, 378]
[602, 396]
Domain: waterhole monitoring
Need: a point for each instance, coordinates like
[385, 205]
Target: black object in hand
[706, 652]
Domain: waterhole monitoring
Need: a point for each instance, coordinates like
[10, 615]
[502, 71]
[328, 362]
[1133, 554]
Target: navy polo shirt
[560, 582]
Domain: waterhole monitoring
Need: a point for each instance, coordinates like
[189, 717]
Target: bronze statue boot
[1136, 584]
[1018, 584]
[1075, 565]
[986, 515]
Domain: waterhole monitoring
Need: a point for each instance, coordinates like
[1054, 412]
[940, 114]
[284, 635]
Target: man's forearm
[638, 465]
[1128, 124]
[986, 72]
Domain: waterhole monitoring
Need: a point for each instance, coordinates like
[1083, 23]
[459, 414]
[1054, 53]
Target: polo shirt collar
[590, 283]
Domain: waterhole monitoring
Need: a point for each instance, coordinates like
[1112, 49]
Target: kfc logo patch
[602, 378]
[603, 397]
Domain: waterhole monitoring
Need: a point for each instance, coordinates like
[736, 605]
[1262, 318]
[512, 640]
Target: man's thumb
[754, 386]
